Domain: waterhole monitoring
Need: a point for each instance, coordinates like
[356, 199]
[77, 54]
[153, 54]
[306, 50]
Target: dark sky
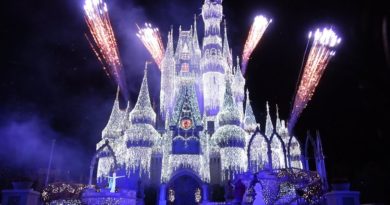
[52, 85]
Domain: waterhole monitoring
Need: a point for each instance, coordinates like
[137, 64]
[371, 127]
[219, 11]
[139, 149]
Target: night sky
[53, 87]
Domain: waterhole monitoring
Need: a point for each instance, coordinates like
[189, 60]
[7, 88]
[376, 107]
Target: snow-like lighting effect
[321, 51]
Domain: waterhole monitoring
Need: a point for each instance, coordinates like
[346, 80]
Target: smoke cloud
[26, 145]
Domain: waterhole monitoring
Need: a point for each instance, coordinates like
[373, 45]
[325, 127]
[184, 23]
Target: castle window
[185, 56]
[185, 67]
[213, 51]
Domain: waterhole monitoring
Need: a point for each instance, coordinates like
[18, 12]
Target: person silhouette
[112, 182]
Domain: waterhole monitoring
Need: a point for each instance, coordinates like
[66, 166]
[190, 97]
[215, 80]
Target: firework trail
[151, 39]
[103, 42]
[257, 30]
[321, 51]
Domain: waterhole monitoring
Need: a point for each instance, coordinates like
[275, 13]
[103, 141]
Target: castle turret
[141, 136]
[230, 138]
[167, 93]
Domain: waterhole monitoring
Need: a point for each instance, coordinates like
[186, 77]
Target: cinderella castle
[209, 140]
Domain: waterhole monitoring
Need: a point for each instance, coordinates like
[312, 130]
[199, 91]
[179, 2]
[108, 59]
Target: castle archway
[184, 188]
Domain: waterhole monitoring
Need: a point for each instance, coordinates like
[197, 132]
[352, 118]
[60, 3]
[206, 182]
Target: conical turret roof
[238, 77]
[249, 118]
[195, 39]
[269, 127]
[226, 48]
[229, 113]
[113, 127]
[143, 111]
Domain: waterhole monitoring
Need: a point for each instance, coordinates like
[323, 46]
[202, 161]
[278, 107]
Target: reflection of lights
[198, 195]
[171, 195]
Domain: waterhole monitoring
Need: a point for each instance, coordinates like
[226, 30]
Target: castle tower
[213, 65]
[113, 132]
[141, 136]
[230, 138]
[167, 78]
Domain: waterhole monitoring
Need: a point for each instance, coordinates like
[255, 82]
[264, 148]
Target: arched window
[258, 149]
[213, 51]
[277, 153]
[295, 153]
[107, 162]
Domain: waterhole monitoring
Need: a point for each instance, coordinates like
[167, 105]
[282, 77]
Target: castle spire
[169, 49]
[126, 117]
[143, 111]
[238, 86]
[249, 118]
[320, 161]
[278, 122]
[238, 71]
[319, 151]
[308, 142]
[269, 127]
[226, 49]
[113, 127]
[195, 39]
[141, 135]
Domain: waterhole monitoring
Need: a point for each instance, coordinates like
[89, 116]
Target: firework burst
[103, 42]
[151, 39]
[321, 51]
[257, 30]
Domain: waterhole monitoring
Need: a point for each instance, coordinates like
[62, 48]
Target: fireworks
[322, 50]
[104, 43]
[256, 32]
[151, 39]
